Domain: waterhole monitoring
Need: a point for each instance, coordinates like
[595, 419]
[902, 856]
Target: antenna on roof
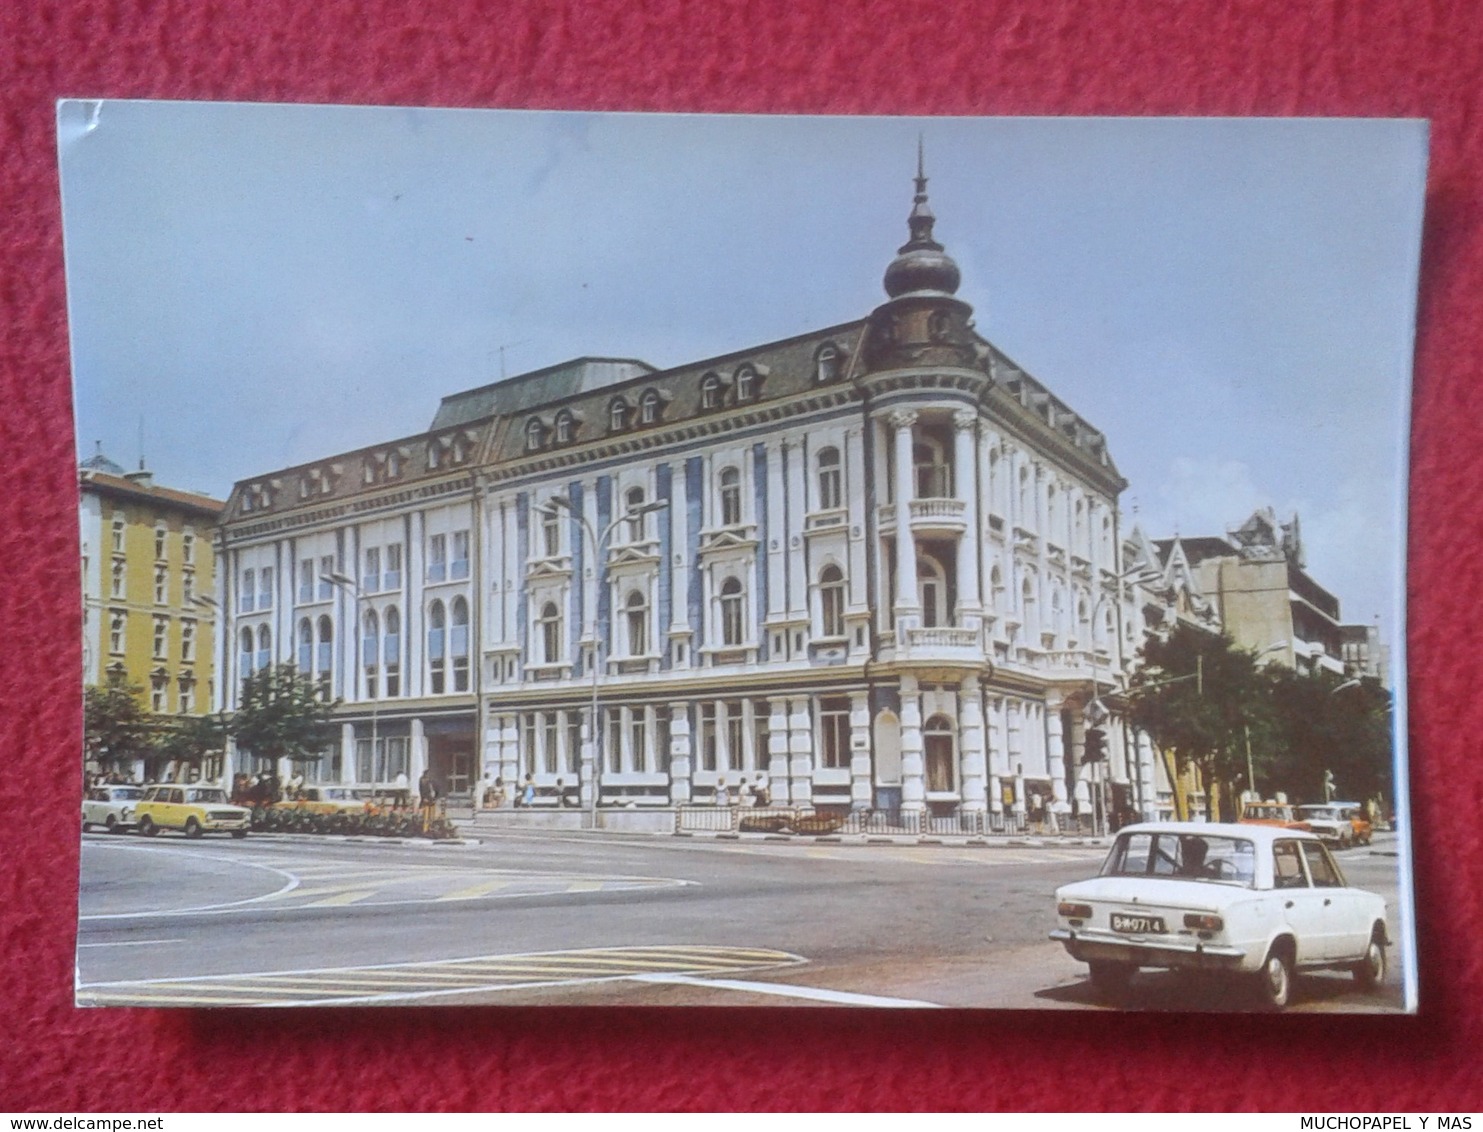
[141, 442]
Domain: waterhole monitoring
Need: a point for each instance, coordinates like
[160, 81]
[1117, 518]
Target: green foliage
[190, 738]
[282, 716]
[116, 726]
[1204, 699]
[1196, 694]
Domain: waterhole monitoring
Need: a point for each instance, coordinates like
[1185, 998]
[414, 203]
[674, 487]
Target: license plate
[1138, 925]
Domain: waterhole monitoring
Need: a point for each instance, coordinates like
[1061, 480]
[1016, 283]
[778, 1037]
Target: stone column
[679, 753]
[907, 606]
[417, 752]
[998, 754]
[777, 752]
[800, 752]
[796, 454]
[347, 752]
[1055, 756]
[860, 769]
[965, 481]
[913, 781]
[971, 746]
[1147, 784]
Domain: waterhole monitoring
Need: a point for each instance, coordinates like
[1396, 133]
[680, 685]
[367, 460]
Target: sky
[1231, 301]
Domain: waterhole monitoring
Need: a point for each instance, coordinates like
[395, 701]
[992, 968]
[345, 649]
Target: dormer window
[826, 363]
[649, 407]
[564, 427]
[617, 415]
[393, 464]
[434, 455]
[746, 383]
[710, 392]
[535, 435]
[460, 450]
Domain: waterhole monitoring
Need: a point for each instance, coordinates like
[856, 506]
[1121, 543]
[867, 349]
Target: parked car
[1258, 903]
[1280, 814]
[1342, 823]
[193, 810]
[111, 806]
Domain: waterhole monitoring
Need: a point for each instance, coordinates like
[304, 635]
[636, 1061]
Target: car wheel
[1110, 979]
[239, 834]
[86, 825]
[192, 827]
[1274, 981]
[1369, 972]
[148, 827]
[111, 824]
[1346, 841]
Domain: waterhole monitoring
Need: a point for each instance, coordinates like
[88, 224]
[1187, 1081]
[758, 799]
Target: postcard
[576, 558]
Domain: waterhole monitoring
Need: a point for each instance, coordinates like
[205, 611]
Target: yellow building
[148, 573]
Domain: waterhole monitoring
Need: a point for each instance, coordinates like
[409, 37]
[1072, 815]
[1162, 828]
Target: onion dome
[921, 265]
[101, 463]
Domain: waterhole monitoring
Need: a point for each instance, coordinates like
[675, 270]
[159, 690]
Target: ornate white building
[878, 563]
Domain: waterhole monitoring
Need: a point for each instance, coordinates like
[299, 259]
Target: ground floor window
[390, 758]
[937, 738]
[834, 732]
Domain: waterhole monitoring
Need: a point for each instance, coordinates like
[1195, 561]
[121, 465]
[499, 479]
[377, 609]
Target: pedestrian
[567, 794]
[723, 796]
[761, 792]
[528, 791]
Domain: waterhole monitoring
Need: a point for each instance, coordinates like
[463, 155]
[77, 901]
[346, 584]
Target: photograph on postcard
[581, 558]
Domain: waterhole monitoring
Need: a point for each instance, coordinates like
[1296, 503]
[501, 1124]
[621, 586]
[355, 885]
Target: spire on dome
[921, 263]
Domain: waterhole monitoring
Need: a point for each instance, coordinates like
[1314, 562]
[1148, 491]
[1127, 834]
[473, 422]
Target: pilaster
[971, 746]
[913, 783]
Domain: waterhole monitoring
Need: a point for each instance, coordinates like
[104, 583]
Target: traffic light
[1094, 748]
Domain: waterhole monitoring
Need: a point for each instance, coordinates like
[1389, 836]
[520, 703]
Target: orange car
[1279, 814]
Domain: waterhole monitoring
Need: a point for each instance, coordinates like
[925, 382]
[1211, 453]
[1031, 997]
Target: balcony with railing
[932, 516]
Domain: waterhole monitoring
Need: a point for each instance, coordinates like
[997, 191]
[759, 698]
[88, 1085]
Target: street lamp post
[591, 768]
[352, 587]
[213, 608]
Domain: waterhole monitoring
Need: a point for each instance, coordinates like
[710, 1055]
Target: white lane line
[788, 990]
[132, 943]
[291, 883]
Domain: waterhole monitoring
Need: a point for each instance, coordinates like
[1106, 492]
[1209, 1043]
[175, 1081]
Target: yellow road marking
[343, 898]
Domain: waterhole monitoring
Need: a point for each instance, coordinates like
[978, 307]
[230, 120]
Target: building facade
[148, 570]
[877, 565]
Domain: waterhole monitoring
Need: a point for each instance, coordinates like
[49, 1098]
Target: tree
[187, 739]
[1323, 723]
[282, 716]
[116, 727]
[1199, 696]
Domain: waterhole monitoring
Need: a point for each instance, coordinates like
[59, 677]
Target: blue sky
[1230, 301]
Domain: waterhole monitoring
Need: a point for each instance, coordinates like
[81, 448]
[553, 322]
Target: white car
[1253, 901]
[111, 806]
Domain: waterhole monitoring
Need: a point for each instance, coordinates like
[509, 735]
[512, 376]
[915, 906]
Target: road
[545, 917]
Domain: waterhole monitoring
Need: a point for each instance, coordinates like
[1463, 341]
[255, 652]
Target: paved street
[536, 917]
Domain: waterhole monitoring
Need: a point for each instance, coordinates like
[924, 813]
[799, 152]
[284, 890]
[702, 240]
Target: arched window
[391, 651]
[831, 601]
[637, 608]
[746, 383]
[1083, 619]
[1027, 605]
[306, 648]
[458, 644]
[649, 407]
[535, 438]
[264, 646]
[633, 499]
[710, 392]
[1057, 610]
[370, 650]
[939, 745]
[617, 415]
[731, 507]
[829, 494]
[932, 590]
[550, 625]
[939, 326]
[563, 427]
[732, 632]
[324, 662]
[246, 661]
[437, 647]
[826, 363]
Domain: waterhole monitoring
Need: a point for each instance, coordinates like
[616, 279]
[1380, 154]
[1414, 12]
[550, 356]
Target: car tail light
[1074, 911]
[1204, 923]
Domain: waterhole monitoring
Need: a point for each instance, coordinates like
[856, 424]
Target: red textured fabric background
[1421, 58]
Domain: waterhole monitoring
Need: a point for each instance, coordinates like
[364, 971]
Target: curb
[360, 839]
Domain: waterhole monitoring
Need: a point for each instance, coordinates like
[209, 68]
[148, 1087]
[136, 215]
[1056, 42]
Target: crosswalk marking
[393, 982]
